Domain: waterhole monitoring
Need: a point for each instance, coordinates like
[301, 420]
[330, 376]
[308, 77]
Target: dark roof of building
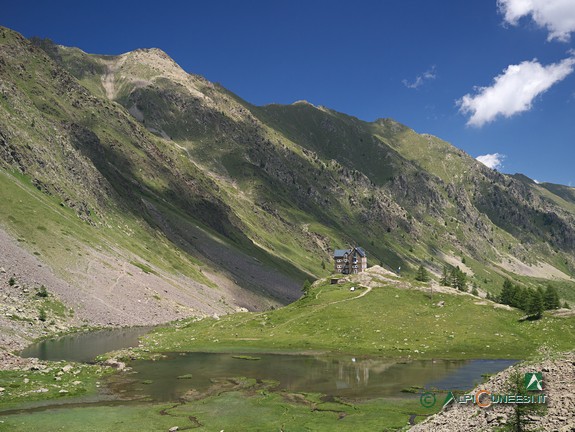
[338, 253]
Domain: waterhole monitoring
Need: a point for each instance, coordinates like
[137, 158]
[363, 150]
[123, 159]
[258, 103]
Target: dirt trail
[323, 306]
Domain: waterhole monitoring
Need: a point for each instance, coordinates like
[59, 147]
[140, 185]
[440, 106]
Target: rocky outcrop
[558, 386]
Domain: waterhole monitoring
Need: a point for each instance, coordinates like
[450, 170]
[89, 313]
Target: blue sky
[491, 77]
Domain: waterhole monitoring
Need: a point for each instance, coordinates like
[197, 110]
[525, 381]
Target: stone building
[350, 261]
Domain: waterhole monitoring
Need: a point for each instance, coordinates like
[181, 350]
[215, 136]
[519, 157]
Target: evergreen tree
[566, 305]
[551, 298]
[453, 278]
[536, 304]
[519, 418]
[461, 281]
[458, 279]
[422, 274]
[474, 291]
[306, 287]
[521, 298]
[507, 293]
[445, 277]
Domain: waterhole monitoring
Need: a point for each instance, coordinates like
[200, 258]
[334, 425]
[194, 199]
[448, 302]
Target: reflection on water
[364, 378]
[467, 373]
[336, 376]
[84, 347]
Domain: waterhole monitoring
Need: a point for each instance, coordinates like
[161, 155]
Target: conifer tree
[445, 277]
[519, 419]
[458, 279]
[507, 293]
[306, 287]
[551, 298]
[521, 298]
[536, 304]
[422, 274]
[461, 281]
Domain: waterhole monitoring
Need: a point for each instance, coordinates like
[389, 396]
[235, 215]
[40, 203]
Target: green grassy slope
[37, 219]
[90, 157]
[403, 195]
[387, 320]
[286, 184]
[463, 207]
[565, 192]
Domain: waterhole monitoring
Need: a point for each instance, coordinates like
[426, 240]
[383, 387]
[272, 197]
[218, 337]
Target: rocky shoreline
[558, 385]
[9, 361]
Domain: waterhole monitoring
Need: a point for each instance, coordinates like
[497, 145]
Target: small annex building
[350, 261]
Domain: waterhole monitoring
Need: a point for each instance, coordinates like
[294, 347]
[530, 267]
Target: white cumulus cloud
[557, 16]
[513, 91]
[493, 161]
[420, 79]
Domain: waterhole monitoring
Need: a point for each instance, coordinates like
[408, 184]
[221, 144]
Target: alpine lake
[212, 385]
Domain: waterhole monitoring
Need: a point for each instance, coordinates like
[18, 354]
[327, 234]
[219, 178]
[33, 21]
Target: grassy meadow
[388, 321]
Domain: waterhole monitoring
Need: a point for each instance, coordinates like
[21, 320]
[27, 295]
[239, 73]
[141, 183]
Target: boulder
[115, 364]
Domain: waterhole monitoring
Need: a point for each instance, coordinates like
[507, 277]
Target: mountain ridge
[134, 144]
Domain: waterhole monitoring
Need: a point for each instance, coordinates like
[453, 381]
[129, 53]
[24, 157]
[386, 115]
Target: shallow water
[361, 378]
[84, 347]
